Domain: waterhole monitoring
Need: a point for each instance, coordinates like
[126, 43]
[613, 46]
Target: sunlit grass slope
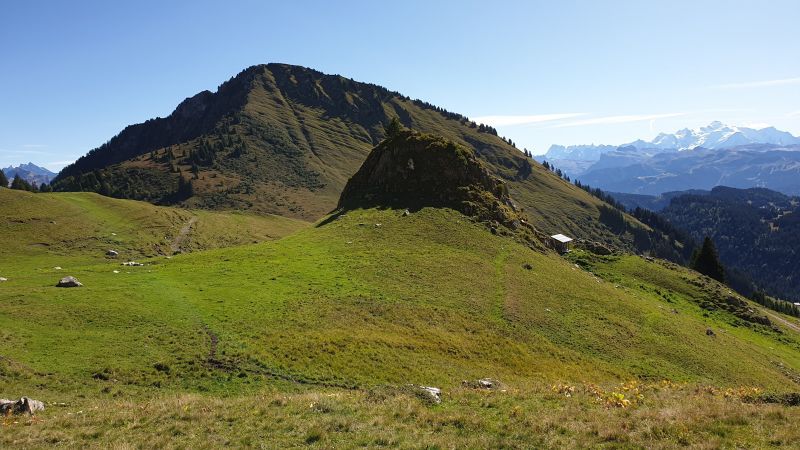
[64, 229]
[313, 339]
[431, 298]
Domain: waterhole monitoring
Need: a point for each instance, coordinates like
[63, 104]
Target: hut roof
[561, 238]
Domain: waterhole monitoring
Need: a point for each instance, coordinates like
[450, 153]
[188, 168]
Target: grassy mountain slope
[428, 298]
[431, 298]
[285, 139]
[64, 228]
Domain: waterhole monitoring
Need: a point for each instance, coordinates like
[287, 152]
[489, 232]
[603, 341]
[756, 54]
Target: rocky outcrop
[412, 170]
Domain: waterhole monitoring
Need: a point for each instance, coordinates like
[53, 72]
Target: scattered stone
[132, 264]
[112, 253]
[649, 258]
[57, 268]
[406, 213]
[116, 271]
[70, 281]
[433, 393]
[597, 248]
[113, 234]
[483, 383]
[710, 332]
[24, 405]
[3, 279]
[378, 225]
[527, 266]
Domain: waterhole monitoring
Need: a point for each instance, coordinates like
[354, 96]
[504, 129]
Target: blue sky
[73, 74]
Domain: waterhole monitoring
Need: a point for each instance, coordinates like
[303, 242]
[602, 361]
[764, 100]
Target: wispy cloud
[758, 84]
[25, 152]
[618, 119]
[793, 114]
[507, 121]
[34, 145]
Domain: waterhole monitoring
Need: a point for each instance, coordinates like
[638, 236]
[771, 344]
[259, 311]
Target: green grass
[340, 311]
[63, 229]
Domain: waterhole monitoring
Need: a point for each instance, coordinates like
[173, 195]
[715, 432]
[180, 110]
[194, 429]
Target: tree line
[21, 184]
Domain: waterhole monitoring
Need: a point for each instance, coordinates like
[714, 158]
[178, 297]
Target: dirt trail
[176, 243]
[791, 325]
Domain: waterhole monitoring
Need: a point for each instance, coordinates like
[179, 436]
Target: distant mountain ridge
[700, 158]
[756, 165]
[30, 172]
[716, 135]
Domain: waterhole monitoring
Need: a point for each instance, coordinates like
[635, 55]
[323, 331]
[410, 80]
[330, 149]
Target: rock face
[414, 170]
[69, 282]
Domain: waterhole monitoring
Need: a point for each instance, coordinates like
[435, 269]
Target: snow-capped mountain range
[699, 158]
[716, 135]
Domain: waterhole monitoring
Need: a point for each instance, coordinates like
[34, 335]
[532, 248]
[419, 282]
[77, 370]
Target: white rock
[434, 393]
[70, 281]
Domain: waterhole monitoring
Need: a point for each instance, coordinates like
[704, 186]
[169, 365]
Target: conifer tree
[3, 180]
[20, 184]
[393, 128]
[706, 261]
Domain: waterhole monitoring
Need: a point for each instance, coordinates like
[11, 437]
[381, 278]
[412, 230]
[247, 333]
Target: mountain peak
[30, 172]
[716, 135]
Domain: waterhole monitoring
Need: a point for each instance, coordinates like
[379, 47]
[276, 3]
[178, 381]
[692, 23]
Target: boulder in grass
[24, 405]
[432, 394]
[112, 253]
[132, 264]
[3, 279]
[69, 282]
[483, 383]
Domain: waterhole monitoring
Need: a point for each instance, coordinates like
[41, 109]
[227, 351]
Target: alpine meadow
[298, 259]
